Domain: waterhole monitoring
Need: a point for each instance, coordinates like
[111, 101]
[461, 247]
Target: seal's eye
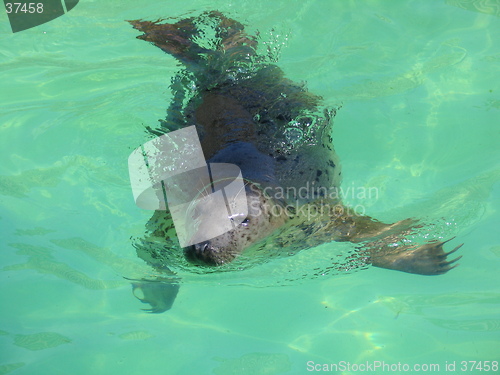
[246, 221]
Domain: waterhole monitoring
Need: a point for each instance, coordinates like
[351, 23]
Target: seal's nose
[202, 247]
[200, 254]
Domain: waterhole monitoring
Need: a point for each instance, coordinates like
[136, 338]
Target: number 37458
[24, 7]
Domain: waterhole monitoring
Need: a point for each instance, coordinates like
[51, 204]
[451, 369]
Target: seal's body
[247, 113]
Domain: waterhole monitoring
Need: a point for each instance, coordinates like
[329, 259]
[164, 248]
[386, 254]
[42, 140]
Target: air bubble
[294, 135]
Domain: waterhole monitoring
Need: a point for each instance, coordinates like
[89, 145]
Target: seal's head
[264, 216]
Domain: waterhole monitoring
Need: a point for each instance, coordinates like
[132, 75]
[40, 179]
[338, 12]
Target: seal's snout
[205, 254]
[202, 250]
[202, 247]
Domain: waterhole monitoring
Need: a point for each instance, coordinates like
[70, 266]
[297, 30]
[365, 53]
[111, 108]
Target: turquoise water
[418, 86]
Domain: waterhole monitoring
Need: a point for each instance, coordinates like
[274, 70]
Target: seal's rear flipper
[179, 39]
[159, 294]
[174, 39]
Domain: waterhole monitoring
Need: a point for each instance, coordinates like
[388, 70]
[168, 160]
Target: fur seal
[247, 113]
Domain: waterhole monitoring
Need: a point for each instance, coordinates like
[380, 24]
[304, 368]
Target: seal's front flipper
[378, 243]
[428, 259]
[159, 294]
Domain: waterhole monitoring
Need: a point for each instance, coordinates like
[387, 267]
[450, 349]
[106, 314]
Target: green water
[418, 86]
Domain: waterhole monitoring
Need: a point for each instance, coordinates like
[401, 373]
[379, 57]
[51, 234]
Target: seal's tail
[180, 39]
